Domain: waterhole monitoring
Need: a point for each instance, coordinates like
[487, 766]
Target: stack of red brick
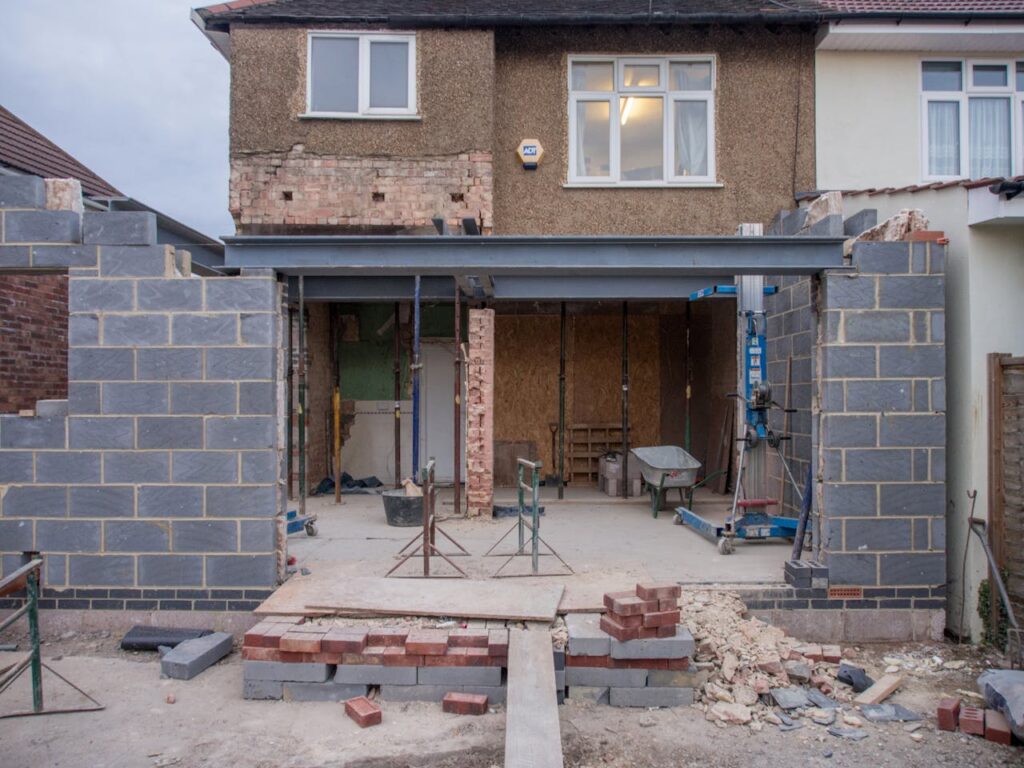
[288, 639]
[652, 610]
[973, 720]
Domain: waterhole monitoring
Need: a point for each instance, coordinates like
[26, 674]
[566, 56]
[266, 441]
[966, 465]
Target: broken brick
[458, 703]
[972, 720]
[947, 713]
[831, 653]
[363, 711]
[997, 729]
[654, 591]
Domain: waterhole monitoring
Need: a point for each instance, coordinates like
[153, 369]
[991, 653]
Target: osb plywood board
[526, 381]
[533, 737]
[597, 373]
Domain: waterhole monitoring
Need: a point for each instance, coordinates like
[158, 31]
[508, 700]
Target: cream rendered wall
[984, 277]
[867, 119]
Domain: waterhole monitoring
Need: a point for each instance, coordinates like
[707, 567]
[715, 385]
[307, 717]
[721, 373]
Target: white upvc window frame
[669, 98]
[365, 111]
[963, 97]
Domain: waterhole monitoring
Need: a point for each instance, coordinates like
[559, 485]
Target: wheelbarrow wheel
[725, 546]
[310, 529]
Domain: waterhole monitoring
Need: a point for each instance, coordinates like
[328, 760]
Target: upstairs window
[361, 75]
[641, 121]
[972, 118]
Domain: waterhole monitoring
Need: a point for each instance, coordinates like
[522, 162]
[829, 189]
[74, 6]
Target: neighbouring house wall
[34, 336]
[868, 117]
[157, 484]
[439, 164]
[764, 119]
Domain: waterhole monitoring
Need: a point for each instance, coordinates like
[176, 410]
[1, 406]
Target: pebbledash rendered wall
[878, 418]
[158, 483]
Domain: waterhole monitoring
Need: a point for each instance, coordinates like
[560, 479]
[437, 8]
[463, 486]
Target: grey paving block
[204, 536]
[101, 570]
[42, 227]
[682, 678]
[914, 292]
[415, 692]
[101, 432]
[240, 432]
[852, 568]
[560, 679]
[135, 536]
[841, 500]
[135, 398]
[921, 360]
[678, 647]
[15, 256]
[259, 467]
[600, 676]
[849, 362]
[651, 697]
[241, 570]
[136, 466]
[323, 691]
[84, 330]
[257, 397]
[262, 690]
[102, 501]
[204, 398]
[204, 467]
[50, 256]
[241, 501]
[187, 659]
[52, 409]
[374, 674]
[204, 330]
[35, 501]
[96, 364]
[287, 672]
[258, 328]
[177, 294]
[171, 501]
[31, 432]
[886, 395]
[136, 261]
[877, 534]
[239, 293]
[56, 570]
[170, 570]
[846, 431]
[237, 363]
[16, 535]
[139, 330]
[890, 326]
[119, 228]
[22, 191]
[67, 467]
[459, 676]
[258, 535]
[170, 432]
[16, 467]
[170, 364]
[592, 694]
[916, 430]
[586, 638]
[926, 569]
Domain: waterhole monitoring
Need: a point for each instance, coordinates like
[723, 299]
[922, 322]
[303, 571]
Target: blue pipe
[416, 381]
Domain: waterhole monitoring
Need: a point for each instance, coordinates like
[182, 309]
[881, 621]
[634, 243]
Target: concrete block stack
[608, 662]
[290, 658]
[609, 475]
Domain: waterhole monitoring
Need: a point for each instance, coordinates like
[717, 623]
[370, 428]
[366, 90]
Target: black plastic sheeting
[143, 638]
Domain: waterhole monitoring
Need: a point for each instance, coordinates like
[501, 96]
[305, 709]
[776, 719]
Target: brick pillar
[480, 413]
[883, 423]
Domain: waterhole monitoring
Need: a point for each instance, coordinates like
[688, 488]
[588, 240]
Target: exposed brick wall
[299, 188]
[33, 340]
[480, 413]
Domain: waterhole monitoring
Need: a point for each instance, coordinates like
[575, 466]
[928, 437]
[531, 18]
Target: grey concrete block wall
[883, 422]
[166, 471]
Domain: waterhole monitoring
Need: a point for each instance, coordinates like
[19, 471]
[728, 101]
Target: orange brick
[300, 642]
[661, 619]
[616, 630]
[497, 642]
[947, 713]
[469, 638]
[997, 728]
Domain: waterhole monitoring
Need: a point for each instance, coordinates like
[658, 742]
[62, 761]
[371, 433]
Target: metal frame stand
[524, 524]
[28, 575]
[427, 538]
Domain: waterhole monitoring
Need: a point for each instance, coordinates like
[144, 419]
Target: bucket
[401, 510]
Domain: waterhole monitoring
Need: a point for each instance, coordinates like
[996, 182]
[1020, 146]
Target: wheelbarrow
[663, 467]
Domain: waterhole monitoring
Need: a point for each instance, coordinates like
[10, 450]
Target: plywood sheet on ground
[533, 737]
[320, 593]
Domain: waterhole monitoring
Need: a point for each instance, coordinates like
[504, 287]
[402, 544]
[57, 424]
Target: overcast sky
[133, 90]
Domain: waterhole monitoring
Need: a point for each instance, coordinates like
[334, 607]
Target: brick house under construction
[548, 185]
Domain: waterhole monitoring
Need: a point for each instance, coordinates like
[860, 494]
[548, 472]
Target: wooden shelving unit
[585, 445]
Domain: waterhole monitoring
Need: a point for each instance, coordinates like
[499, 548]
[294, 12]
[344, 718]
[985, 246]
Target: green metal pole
[33, 633]
[522, 503]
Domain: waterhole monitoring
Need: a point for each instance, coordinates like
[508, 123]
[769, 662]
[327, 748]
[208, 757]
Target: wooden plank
[533, 737]
[462, 598]
[880, 691]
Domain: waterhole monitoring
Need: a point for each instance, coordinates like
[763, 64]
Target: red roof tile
[957, 7]
[25, 149]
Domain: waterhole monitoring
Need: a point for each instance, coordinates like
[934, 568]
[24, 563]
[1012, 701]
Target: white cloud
[133, 90]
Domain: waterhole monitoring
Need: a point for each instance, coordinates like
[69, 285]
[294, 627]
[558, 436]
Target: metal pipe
[689, 382]
[290, 463]
[337, 407]
[625, 399]
[561, 405]
[416, 379]
[398, 398]
[302, 396]
[457, 432]
[33, 634]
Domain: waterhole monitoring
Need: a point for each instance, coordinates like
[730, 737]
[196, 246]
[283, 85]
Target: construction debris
[1003, 690]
